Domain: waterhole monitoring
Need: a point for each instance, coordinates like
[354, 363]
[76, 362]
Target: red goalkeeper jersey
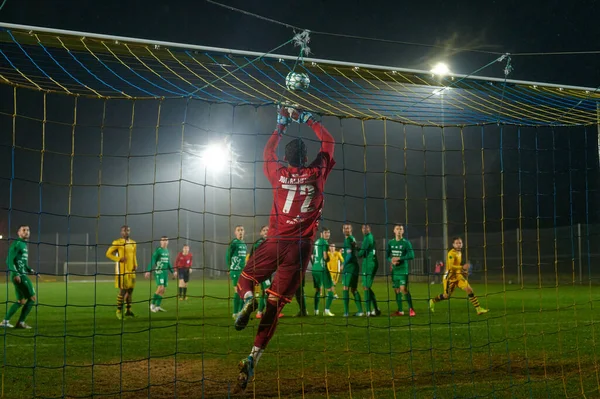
[183, 261]
[298, 191]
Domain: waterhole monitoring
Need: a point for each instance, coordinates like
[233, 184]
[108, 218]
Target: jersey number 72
[307, 190]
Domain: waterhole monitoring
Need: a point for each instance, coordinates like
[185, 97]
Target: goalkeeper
[161, 265]
[264, 286]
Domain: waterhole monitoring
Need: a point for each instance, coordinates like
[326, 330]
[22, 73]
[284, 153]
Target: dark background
[540, 180]
[499, 26]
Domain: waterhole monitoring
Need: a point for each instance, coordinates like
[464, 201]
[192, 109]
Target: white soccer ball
[297, 81]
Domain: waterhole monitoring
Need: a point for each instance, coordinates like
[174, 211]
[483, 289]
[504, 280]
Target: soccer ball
[297, 81]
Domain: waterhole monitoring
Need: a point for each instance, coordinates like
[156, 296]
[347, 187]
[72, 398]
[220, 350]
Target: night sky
[497, 26]
[558, 167]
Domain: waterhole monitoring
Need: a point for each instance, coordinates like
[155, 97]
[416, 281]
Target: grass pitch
[536, 342]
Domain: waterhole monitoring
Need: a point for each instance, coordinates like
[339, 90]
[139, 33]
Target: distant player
[350, 272]
[124, 252]
[236, 261]
[334, 264]
[183, 269]
[297, 206]
[399, 251]
[370, 264]
[456, 276]
[161, 265]
[18, 266]
[320, 272]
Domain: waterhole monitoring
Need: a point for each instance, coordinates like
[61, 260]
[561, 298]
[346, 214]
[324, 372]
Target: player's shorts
[323, 279]
[234, 275]
[335, 276]
[125, 281]
[161, 278]
[288, 258]
[24, 289]
[184, 274]
[399, 279]
[368, 277]
[450, 284]
[350, 278]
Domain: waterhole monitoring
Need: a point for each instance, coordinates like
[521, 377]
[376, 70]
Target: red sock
[244, 285]
[268, 323]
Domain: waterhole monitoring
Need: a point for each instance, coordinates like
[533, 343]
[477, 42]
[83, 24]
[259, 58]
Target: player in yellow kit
[334, 264]
[124, 252]
[456, 276]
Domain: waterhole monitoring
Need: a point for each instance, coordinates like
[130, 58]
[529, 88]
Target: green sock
[13, 309]
[236, 303]
[26, 309]
[357, 301]
[158, 300]
[373, 299]
[329, 300]
[399, 301]
[408, 298]
[262, 303]
[346, 301]
[317, 300]
[153, 299]
[367, 301]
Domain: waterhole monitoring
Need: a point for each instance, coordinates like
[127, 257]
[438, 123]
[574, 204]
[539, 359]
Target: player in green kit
[17, 262]
[161, 265]
[320, 272]
[399, 251]
[350, 272]
[236, 261]
[368, 252]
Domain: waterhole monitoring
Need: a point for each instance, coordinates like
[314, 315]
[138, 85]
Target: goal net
[89, 272]
[100, 132]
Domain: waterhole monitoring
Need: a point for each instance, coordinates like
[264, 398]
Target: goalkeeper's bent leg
[268, 323]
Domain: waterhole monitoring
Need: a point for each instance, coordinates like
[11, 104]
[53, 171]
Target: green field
[535, 342]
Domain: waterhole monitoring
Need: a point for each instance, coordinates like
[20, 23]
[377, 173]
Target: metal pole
[444, 194]
[187, 228]
[214, 270]
[56, 256]
[579, 250]
[518, 258]
[87, 256]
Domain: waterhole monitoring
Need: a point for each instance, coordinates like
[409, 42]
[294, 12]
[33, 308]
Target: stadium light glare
[440, 69]
[216, 157]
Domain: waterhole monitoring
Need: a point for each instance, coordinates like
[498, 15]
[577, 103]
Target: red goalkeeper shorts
[289, 259]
